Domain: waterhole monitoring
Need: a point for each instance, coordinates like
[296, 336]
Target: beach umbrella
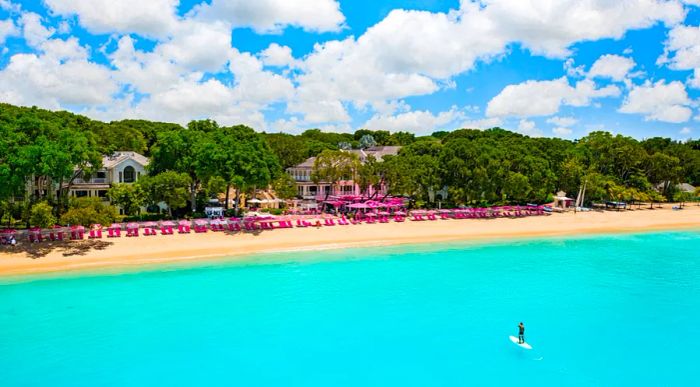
[383, 213]
[254, 201]
[132, 225]
[357, 205]
[167, 223]
[400, 213]
[149, 224]
[184, 223]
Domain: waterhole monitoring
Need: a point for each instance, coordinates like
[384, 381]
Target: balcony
[94, 180]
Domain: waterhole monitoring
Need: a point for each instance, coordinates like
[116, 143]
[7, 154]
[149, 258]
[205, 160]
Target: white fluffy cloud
[155, 18]
[529, 128]
[484, 123]
[562, 131]
[611, 66]
[198, 46]
[418, 121]
[682, 52]
[543, 98]
[682, 48]
[31, 79]
[273, 15]
[550, 27]
[7, 28]
[562, 121]
[660, 101]
[408, 53]
[59, 73]
[276, 55]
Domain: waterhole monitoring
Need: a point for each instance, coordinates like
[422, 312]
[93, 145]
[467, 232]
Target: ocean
[613, 310]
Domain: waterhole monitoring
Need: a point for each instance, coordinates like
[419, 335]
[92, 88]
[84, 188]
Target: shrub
[276, 211]
[42, 215]
[87, 211]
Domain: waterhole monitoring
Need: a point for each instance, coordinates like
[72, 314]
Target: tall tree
[333, 166]
[168, 187]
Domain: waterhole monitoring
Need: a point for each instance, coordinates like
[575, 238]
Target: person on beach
[521, 333]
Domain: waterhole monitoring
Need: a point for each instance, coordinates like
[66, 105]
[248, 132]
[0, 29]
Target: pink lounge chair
[343, 221]
[183, 228]
[200, 227]
[35, 235]
[329, 222]
[95, 233]
[114, 231]
[56, 233]
[300, 223]
[132, 230]
[77, 233]
[399, 218]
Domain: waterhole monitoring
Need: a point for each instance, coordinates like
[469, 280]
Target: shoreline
[117, 255]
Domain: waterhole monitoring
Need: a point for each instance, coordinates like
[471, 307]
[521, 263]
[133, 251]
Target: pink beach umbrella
[400, 213]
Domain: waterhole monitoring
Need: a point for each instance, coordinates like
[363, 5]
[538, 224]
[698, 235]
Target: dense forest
[191, 164]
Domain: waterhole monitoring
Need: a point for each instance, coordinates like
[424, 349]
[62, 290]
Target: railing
[94, 180]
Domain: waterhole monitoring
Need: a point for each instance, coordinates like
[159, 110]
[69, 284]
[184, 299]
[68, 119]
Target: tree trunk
[228, 188]
[193, 196]
[237, 200]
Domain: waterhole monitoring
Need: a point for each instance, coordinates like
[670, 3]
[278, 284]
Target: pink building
[309, 190]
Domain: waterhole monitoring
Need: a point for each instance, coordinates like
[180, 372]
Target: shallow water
[620, 310]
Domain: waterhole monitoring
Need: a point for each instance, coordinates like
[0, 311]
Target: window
[101, 175]
[129, 174]
[81, 194]
[102, 193]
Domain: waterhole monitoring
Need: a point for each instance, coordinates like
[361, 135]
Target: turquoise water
[618, 310]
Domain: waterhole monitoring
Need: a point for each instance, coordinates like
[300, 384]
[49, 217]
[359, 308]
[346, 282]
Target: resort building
[119, 167]
[308, 190]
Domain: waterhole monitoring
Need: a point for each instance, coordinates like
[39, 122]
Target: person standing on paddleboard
[521, 333]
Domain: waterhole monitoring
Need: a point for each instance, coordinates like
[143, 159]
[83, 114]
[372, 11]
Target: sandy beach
[123, 253]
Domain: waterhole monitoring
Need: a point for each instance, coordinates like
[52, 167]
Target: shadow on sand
[66, 248]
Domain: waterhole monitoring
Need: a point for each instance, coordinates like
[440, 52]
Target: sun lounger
[77, 233]
[95, 233]
[35, 235]
[56, 234]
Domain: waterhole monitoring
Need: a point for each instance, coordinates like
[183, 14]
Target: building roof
[378, 152]
[685, 187]
[116, 158]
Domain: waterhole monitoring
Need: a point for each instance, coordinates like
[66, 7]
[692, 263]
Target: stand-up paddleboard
[523, 345]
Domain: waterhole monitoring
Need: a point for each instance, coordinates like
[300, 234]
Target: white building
[120, 167]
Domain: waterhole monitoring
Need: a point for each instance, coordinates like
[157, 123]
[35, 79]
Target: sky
[539, 67]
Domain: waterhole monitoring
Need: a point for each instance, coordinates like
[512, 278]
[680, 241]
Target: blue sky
[539, 67]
